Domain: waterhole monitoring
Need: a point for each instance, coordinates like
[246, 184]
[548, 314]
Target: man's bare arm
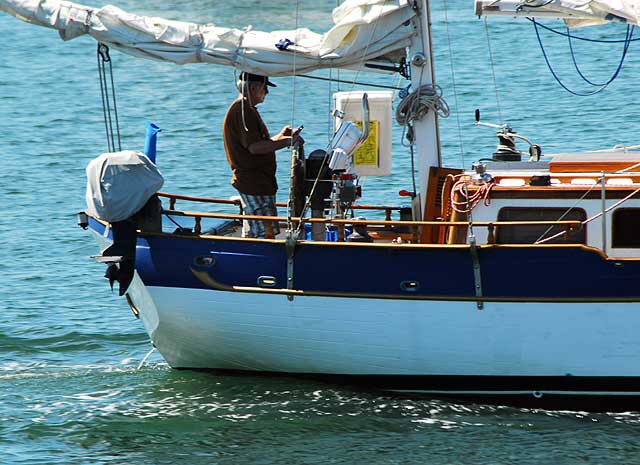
[279, 141]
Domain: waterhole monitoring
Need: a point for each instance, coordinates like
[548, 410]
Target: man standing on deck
[251, 153]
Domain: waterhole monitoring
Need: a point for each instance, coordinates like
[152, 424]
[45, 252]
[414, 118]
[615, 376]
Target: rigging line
[493, 71]
[565, 214]
[549, 2]
[410, 130]
[453, 81]
[597, 215]
[338, 70]
[624, 53]
[106, 106]
[292, 150]
[104, 103]
[413, 169]
[311, 193]
[170, 218]
[103, 60]
[555, 31]
[366, 49]
[329, 105]
[381, 86]
[557, 78]
[115, 106]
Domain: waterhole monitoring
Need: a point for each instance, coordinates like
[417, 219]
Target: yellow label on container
[368, 153]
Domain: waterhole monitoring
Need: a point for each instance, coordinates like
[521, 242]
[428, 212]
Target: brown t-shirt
[252, 174]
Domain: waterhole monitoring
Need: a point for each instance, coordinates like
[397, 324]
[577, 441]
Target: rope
[320, 78]
[453, 81]
[602, 87]
[366, 49]
[413, 169]
[586, 39]
[418, 103]
[482, 194]
[107, 98]
[330, 116]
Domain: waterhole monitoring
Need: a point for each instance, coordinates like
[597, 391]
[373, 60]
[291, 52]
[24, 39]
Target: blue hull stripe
[529, 273]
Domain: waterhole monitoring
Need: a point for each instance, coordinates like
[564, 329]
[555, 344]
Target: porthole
[410, 286]
[204, 260]
[267, 281]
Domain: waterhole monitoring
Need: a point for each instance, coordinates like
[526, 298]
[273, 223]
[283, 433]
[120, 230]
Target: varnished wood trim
[560, 193]
[279, 204]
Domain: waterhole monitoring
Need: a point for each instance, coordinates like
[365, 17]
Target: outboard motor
[121, 190]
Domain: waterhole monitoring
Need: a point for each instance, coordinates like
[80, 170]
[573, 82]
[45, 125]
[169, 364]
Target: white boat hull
[505, 349]
[196, 328]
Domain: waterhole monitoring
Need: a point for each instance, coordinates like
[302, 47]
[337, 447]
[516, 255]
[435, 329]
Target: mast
[427, 137]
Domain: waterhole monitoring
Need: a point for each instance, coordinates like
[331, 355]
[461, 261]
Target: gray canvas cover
[119, 184]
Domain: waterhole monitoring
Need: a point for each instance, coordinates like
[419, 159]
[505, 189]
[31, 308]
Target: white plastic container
[373, 158]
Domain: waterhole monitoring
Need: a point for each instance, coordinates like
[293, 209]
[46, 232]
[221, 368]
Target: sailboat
[423, 300]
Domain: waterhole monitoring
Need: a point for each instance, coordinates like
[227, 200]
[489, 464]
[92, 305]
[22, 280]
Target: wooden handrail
[173, 197]
[370, 222]
[198, 199]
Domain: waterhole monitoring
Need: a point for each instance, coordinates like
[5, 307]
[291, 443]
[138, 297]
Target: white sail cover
[365, 30]
[576, 13]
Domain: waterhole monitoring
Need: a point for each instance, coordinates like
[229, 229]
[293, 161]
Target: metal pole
[422, 73]
[603, 197]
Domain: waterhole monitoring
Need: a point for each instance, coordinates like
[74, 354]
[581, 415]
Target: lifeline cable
[597, 215]
[564, 214]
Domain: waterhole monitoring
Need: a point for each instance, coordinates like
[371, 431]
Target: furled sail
[364, 30]
[576, 13]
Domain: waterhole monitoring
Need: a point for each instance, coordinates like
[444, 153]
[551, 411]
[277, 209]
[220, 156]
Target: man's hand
[287, 136]
[285, 132]
[283, 139]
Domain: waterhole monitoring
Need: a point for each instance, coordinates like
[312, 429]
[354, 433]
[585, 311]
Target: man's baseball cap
[248, 77]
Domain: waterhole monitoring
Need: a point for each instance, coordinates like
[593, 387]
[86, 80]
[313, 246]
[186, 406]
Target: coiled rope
[418, 103]
[470, 201]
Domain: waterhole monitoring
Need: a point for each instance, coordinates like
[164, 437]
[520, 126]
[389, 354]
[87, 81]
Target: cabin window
[626, 228]
[531, 233]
